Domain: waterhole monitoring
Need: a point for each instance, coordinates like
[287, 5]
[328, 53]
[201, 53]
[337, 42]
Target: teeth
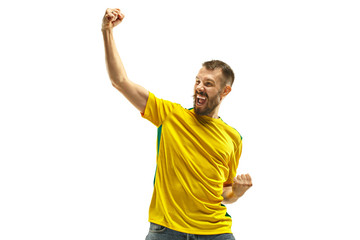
[200, 100]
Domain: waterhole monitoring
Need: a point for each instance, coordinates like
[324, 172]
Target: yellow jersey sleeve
[233, 164]
[157, 109]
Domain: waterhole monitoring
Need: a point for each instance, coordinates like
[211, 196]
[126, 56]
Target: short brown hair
[226, 70]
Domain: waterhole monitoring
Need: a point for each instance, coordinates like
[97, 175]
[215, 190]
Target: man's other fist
[241, 184]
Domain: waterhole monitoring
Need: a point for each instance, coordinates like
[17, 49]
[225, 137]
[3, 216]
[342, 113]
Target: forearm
[229, 196]
[115, 67]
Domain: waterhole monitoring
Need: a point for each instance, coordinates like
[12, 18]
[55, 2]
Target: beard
[210, 105]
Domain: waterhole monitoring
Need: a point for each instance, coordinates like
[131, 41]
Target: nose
[200, 88]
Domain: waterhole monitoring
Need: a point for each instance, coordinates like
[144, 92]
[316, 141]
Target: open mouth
[200, 100]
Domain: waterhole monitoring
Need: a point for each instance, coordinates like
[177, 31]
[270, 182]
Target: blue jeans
[157, 232]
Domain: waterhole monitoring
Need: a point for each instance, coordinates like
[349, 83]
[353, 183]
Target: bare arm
[234, 191]
[136, 94]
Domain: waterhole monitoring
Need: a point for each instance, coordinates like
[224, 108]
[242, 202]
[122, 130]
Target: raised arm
[136, 94]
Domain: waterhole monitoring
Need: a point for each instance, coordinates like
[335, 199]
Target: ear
[226, 91]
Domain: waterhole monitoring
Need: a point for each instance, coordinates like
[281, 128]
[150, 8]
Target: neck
[215, 113]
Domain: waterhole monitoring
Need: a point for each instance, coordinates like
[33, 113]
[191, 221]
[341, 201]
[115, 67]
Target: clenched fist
[241, 184]
[112, 18]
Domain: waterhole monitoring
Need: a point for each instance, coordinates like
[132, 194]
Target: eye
[208, 84]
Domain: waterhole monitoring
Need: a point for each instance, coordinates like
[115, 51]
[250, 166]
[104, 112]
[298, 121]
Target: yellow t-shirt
[196, 156]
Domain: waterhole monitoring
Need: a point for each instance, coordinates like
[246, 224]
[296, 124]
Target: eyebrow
[206, 79]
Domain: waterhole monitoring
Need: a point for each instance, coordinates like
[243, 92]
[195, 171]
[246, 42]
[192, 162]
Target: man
[197, 153]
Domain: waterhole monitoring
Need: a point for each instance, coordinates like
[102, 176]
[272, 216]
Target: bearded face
[208, 92]
[205, 105]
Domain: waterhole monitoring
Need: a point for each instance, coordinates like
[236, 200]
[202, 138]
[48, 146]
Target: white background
[78, 161]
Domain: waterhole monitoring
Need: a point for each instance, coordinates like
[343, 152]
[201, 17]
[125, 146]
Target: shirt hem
[196, 232]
